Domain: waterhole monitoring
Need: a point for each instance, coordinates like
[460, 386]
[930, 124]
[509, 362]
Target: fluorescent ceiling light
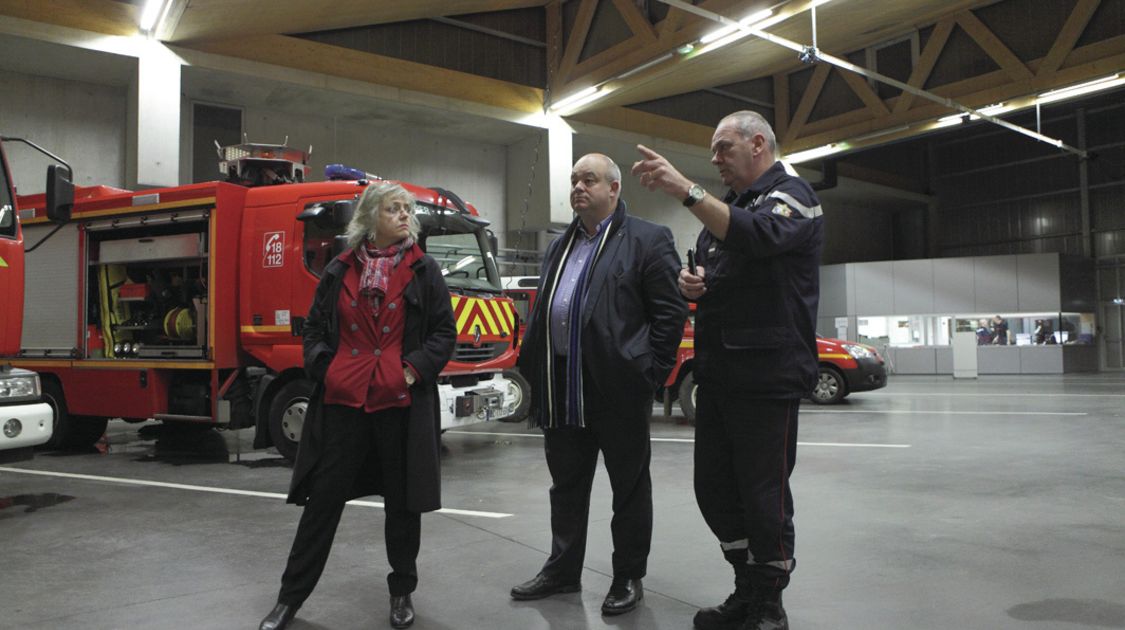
[732, 33]
[579, 99]
[150, 14]
[819, 152]
[991, 110]
[646, 65]
[1103, 83]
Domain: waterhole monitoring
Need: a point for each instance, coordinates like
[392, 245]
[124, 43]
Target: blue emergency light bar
[337, 172]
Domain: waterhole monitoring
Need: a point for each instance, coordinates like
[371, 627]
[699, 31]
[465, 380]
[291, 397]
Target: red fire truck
[25, 420]
[185, 304]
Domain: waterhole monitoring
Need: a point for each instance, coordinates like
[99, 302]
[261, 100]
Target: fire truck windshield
[460, 245]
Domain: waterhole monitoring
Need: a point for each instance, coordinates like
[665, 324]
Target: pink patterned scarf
[378, 264]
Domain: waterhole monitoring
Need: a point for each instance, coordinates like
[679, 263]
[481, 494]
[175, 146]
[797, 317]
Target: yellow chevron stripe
[3, 263]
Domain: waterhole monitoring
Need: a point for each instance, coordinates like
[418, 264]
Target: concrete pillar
[538, 176]
[152, 134]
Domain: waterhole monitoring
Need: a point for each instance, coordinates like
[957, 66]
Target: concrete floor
[989, 504]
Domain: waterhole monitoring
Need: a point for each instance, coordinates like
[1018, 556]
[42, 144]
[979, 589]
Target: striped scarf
[378, 264]
[573, 416]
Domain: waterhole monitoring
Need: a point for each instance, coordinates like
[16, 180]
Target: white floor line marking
[690, 440]
[923, 412]
[234, 491]
[991, 395]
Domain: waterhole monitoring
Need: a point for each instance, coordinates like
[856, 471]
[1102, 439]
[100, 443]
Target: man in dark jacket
[757, 287]
[602, 336]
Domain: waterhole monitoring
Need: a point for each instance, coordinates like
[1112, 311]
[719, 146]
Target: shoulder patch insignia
[782, 209]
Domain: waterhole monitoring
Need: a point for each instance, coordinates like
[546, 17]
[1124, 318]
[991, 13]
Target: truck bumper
[486, 401]
[30, 424]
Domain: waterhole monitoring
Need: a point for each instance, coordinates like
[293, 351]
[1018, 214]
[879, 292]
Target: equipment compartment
[147, 287]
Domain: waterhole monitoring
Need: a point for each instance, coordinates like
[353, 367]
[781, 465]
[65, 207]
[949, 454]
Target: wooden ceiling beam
[808, 101]
[636, 20]
[1076, 23]
[1089, 62]
[575, 43]
[992, 46]
[335, 61]
[926, 62]
[98, 16]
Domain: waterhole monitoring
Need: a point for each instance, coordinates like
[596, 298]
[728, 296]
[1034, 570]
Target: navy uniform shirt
[755, 327]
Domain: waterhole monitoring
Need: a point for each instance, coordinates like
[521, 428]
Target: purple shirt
[584, 247]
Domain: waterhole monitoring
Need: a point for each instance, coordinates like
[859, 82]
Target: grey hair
[748, 123]
[362, 225]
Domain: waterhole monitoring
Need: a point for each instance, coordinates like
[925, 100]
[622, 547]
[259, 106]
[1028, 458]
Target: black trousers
[745, 451]
[350, 438]
[621, 434]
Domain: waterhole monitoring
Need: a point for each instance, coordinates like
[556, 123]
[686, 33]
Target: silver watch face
[695, 195]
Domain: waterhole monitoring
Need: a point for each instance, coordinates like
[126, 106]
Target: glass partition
[991, 329]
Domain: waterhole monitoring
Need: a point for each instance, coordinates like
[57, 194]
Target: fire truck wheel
[520, 391]
[287, 416]
[69, 431]
[830, 386]
[687, 397]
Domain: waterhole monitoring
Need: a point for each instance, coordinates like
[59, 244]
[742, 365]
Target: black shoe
[623, 596]
[728, 615]
[402, 611]
[279, 617]
[766, 614]
[542, 586]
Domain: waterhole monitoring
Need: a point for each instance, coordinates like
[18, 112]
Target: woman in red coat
[378, 333]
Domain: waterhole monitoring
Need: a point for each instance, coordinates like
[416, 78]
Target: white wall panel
[953, 285]
[995, 285]
[82, 123]
[914, 286]
[874, 288]
[1038, 282]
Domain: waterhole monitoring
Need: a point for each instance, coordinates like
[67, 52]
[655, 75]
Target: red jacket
[367, 371]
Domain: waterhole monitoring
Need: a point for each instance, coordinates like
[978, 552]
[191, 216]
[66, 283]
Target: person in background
[757, 287]
[601, 337]
[999, 328]
[984, 333]
[378, 333]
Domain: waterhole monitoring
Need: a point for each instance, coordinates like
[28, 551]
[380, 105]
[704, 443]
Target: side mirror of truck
[329, 215]
[60, 194]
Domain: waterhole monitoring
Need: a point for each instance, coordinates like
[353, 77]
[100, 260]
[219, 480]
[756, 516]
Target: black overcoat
[428, 342]
[632, 318]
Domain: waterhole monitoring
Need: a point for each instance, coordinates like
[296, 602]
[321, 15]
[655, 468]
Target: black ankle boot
[731, 613]
[402, 611]
[766, 612]
[279, 617]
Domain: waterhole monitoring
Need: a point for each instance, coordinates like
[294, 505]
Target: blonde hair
[362, 225]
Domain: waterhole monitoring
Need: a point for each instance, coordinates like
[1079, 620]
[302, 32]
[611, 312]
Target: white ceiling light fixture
[578, 99]
[954, 119]
[819, 152]
[732, 33]
[1096, 85]
[150, 15]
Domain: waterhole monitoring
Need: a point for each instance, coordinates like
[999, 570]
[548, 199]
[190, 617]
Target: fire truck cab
[185, 304]
[25, 419]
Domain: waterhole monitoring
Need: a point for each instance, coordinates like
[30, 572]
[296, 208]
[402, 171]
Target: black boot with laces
[730, 614]
[765, 612]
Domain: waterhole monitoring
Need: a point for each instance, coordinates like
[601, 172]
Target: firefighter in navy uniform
[757, 286]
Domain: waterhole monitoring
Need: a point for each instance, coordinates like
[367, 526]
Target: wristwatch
[695, 195]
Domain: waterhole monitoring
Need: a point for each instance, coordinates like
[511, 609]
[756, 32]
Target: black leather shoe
[624, 595]
[542, 586]
[279, 617]
[402, 611]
